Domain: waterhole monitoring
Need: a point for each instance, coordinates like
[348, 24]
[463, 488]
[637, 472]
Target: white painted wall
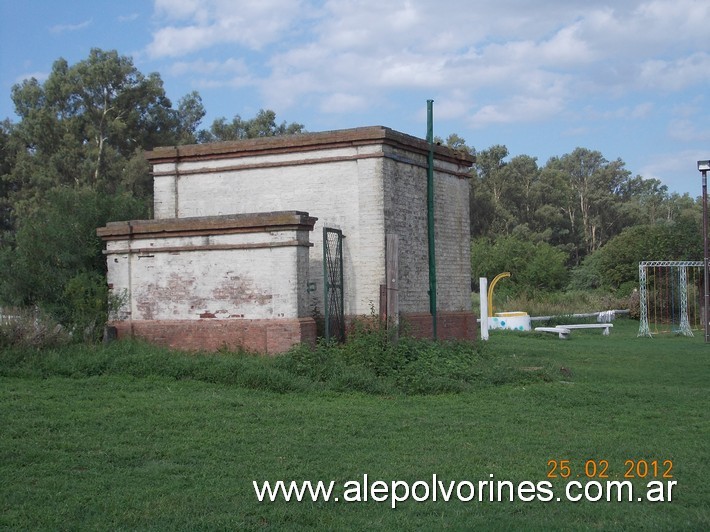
[157, 279]
[346, 194]
[364, 189]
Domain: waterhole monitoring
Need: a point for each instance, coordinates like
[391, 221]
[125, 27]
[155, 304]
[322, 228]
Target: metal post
[706, 292]
[483, 290]
[392, 286]
[430, 215]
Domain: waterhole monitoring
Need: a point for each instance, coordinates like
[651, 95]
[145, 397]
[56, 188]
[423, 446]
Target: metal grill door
[333, 284]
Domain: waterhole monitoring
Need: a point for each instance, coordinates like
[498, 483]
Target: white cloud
[202, 67]
[640, 111]
[687, 130]
[199, 25]
[66, 28]
[520, 61]
[576, 131]
[174, 42]
[129, 18]
[405, 70]
[636, 112]
[182, 9]
[517, 109]
[678, 170]
[454, 105]
[344, 103]
[647, 27]
[282, 92]
[676, 74]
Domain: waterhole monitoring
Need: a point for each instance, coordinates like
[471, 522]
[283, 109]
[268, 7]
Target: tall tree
[555, 216]
[86, 120]
[594, 194]
[190, 114]
[523, 175]
[8, 154]
[644, 201]
[73, 162]
[490, 171]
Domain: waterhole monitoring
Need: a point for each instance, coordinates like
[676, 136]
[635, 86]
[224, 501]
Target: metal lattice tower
[682, 266]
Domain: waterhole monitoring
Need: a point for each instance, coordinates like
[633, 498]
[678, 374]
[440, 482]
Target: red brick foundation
[260, 336]
[449, 325]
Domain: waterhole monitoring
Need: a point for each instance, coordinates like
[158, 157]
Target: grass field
[112, 439]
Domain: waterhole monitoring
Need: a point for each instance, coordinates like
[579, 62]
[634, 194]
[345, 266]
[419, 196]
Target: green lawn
[113, 450]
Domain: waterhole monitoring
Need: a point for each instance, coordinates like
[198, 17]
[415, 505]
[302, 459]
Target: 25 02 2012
[633, 468]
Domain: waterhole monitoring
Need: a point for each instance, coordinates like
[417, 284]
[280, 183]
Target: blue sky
[629, 78]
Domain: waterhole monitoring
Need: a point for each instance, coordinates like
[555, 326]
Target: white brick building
[367, 182]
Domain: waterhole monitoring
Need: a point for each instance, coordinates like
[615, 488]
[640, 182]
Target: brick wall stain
[240, 291]
[156, 298]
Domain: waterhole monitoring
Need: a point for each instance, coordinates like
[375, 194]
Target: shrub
[534, 267]
[367, 362]
[561, 303]
[56, 256]
[85, 307]
[32, 329]
[615, 265]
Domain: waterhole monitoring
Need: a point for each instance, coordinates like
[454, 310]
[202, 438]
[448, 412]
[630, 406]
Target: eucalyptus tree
[86, 120]
[493, 183]
[555, 217]
[644, 201]
[7, 160]
[523, 175]
[593, 190]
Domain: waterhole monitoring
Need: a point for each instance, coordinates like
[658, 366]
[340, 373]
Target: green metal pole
[430, 214]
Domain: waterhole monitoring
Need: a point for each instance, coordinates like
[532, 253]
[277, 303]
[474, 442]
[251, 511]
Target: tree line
[74, 161]
[579, 221]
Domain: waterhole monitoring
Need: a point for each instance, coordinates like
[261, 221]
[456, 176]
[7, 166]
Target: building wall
[366, 182]
[270, 337]
[405, 188]
[212, 281]
[344, 186]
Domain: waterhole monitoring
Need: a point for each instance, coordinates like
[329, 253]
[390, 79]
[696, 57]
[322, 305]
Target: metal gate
[333, 284]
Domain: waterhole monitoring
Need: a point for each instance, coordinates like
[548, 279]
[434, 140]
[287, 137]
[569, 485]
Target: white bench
[563, 332]
[605, 326]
